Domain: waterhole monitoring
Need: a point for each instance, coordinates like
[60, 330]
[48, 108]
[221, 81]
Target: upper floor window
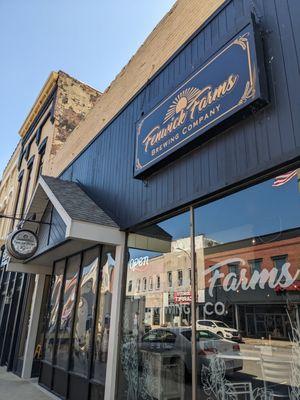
[27, 187]
[144, 284]
[279, 261]
[180, 277]
[130, 286]
[169, 275]
[234, 268]
[158, 282]
[42, 150]
[217, 280]
[190, 276]
[255, 265]
[41, 163]
[150, 283]
[138, 285]
[17, 201]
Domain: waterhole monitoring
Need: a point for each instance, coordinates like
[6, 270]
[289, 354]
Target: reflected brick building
[164, 283]
[247, 309]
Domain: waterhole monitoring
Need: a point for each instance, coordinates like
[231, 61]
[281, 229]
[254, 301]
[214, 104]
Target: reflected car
[220, 328]
[208, 345]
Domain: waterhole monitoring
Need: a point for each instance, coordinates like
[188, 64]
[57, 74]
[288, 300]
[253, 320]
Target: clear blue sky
[91, 40]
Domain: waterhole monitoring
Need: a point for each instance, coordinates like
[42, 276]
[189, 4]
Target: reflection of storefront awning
[74, 222]
[151, 238]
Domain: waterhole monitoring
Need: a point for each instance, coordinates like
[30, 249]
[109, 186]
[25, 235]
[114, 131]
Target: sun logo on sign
[181, 102]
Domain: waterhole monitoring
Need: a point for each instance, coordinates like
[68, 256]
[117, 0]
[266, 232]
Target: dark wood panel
[57, 230]
[264, 140]
[60, 382]
[45, 378]
[291, 62]
[50, 235]
[279, 83]
[43, 232]
[78, 388]
[97, 392]
[294, 12]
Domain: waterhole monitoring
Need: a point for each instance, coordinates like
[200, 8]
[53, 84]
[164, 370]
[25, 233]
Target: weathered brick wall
[74, 100]
[173, 30]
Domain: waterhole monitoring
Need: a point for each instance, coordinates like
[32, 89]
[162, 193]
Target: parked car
[208, 345]
[220, 328]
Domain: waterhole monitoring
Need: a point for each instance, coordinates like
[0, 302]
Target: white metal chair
[242, 390]
[276, 376]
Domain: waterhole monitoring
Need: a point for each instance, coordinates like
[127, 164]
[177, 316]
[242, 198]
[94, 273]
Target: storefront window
[66, 316]
[155, 346]
[41, 326]
[57, 280]
[25, 320]
[84, 313]
[248, 259]
[79, 322]
[103, 314]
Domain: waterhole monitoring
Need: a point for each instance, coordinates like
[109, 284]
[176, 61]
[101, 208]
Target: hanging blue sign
[226, 84]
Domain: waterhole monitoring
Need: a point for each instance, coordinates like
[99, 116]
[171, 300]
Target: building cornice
[38, 104]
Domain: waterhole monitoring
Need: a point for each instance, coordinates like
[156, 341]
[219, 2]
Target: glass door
[155, 349]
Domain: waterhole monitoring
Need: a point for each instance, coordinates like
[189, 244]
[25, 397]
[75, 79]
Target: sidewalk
[15, 388]
[266, 342]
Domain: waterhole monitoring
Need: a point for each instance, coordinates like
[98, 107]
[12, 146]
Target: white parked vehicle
[219, 328]
[209, 345]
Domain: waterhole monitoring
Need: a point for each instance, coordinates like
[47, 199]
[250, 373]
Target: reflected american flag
[284, 178]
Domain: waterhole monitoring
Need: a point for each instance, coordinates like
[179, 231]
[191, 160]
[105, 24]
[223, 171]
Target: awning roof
[75, 202]
[85, 223]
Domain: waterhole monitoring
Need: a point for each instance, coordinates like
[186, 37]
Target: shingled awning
[80, 223]
[76, 204]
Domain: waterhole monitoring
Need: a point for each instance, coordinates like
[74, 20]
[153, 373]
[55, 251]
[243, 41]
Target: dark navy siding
[51, 234]
[261, 142]
[43, 233]
[57, 229]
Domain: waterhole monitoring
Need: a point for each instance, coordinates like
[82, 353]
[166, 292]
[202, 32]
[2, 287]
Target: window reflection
[248, 283]
[103, 314]
[155, 348]
[57, 280]
[248, 259]
[85, 312]
[78, 322]
[66, 317]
